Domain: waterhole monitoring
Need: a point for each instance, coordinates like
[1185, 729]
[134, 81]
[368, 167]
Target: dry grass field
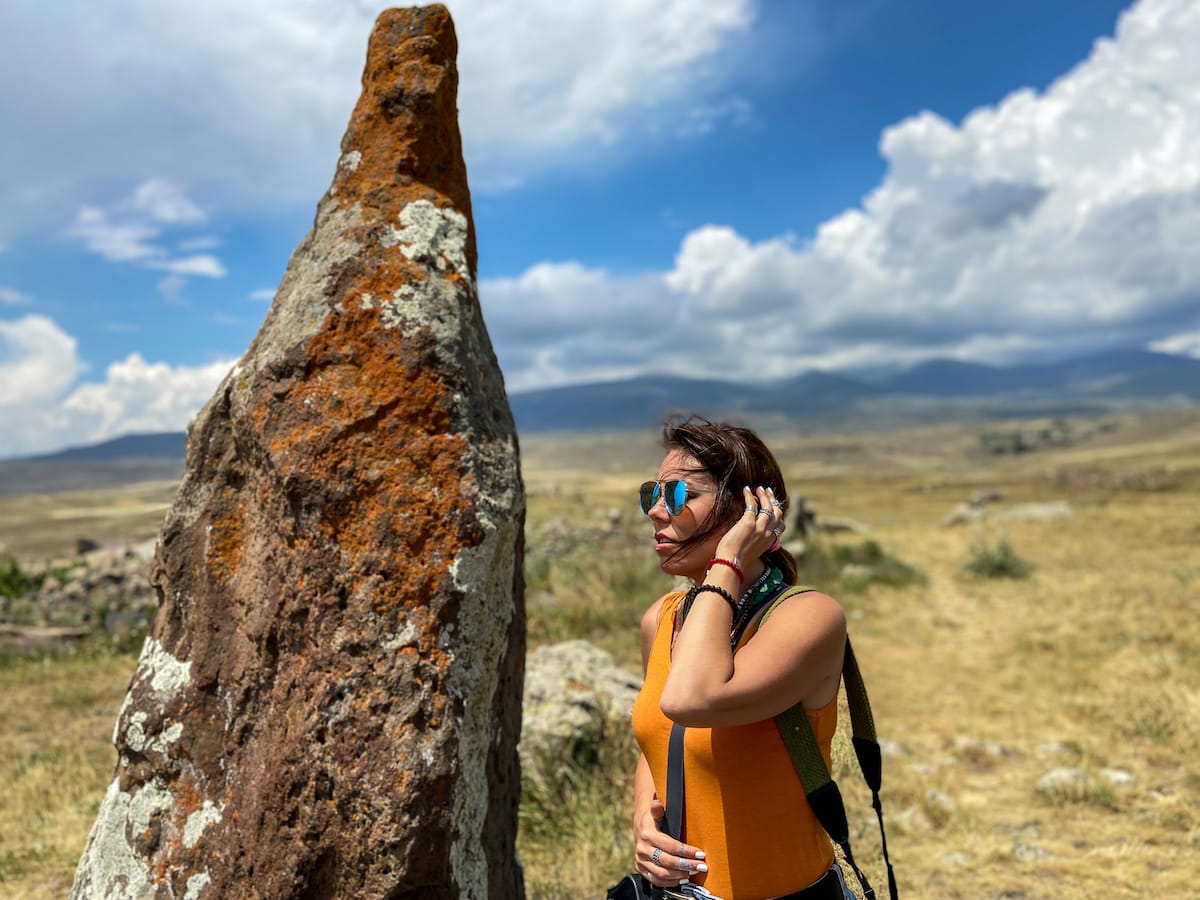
[1041, 731]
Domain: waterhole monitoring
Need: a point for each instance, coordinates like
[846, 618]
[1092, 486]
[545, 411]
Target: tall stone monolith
[328, 704]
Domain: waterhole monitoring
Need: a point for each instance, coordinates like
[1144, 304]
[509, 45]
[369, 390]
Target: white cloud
[38, 361]
[133, 231]
[38, 364]
[10, 296]
[1046, 224]
[116, 243]
[245, 100]
[44, 406]
[205, 242]
[1185, 344]
[165, 202]
[203, 264]
[138, 396]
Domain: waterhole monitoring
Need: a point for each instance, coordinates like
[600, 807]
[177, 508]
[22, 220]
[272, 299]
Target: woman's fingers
[751, 504]
[760, 525]
[670, 868]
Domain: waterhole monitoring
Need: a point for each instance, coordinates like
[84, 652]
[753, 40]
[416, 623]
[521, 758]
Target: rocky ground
[103, 589]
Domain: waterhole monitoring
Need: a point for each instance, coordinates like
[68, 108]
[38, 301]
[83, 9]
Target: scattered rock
[963, 513]
[943, 803]
[1036, 512]
[982, 498]
[1052, 748]
[1117, 777]
[1029, 853]
[913, 821]
[573, 690]
[892, 748]
[857, 571]
[1061, 781]
[977, 749]
[842, 525]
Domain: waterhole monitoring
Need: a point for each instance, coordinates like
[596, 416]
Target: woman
[717, 506]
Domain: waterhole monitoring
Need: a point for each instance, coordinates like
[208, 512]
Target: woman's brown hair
[733, 457]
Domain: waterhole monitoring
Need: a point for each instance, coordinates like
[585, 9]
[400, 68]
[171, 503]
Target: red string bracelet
[717, 561]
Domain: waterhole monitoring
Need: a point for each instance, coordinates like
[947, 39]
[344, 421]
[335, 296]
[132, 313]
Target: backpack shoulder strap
[821, 790]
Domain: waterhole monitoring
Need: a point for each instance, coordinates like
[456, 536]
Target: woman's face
[670, 530]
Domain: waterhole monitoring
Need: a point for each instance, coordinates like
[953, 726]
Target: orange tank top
[744, 806]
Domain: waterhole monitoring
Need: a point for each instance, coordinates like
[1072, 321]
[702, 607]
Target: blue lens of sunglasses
[675, 495]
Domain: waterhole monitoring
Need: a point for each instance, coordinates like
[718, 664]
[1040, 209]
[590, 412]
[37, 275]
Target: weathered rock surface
[328, 704]
[573, 691]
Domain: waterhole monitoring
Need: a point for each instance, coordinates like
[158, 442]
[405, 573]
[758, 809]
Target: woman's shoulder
[801, 605]
[664, 604]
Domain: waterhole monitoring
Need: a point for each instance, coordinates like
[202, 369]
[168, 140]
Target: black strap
[674, 811]
[809, 763]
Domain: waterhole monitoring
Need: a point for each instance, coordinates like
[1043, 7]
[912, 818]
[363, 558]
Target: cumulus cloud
[44, 405]
[137, 395]
[1047, 224]
[37, 363]
[245, 101]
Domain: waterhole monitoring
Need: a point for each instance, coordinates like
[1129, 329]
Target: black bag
[632, 887]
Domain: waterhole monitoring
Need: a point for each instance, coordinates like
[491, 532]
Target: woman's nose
[658, 512]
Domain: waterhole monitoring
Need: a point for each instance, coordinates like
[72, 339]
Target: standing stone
[329, 701]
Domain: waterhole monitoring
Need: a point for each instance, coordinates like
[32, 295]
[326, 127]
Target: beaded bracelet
[732, 563]
[701, 588]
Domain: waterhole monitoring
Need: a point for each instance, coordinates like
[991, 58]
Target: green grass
[579, 808]
[997, 560]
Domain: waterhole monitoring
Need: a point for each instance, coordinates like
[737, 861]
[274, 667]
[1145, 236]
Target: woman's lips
[661, 541]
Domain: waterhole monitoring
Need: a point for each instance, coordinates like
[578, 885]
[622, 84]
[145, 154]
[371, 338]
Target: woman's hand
[658, 856]
[756, 530]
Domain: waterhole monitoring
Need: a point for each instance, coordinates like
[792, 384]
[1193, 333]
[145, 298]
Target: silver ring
[775, 503]
[749, 508]
[685, 866]
[777, 531]
[767, 511]
[656, 854]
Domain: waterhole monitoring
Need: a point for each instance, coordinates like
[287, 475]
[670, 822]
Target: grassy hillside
[1042, 731]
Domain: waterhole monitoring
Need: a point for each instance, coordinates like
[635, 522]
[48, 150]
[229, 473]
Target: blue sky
[699, 187]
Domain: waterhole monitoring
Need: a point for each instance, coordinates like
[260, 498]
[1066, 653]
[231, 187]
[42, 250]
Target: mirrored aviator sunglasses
[675, 495]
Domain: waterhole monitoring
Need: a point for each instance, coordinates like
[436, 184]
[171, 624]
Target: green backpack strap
[819, 787]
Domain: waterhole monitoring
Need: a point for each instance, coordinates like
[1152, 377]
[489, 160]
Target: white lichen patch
[437, 237]
[350, 160]
[366, 301]
[436, 304]
[485, 576]
[167, 674]
[110, 866]
[195, 885]
[193, 828]
[135, 734]
[139, 741]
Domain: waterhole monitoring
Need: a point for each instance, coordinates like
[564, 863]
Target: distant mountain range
[934, 391]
